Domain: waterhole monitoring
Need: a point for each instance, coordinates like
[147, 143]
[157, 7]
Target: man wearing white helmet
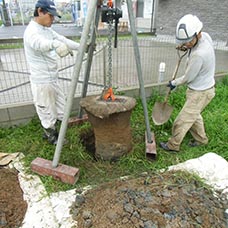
[199, 78]
[42, 47]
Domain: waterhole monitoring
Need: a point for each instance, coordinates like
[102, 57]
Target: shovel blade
[161, 113]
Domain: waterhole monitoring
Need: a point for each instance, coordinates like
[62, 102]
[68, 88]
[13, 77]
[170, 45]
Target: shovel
[162, 111]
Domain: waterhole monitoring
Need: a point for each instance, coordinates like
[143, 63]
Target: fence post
[5, 16]
[153, 17]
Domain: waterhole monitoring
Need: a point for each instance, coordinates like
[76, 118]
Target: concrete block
[76, 120]
[21, 111]
[64, 173]
[4, 115]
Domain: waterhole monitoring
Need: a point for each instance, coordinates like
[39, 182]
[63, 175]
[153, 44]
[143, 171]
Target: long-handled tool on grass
[162, 110]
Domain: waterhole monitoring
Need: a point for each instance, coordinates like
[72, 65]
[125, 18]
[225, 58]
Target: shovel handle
[175, 72]
[178, 63]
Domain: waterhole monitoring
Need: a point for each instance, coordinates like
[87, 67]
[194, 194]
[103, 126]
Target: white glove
[62, 49]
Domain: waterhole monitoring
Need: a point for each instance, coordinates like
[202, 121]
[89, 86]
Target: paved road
[17, 31]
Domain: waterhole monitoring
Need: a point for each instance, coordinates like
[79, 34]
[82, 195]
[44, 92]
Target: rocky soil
[167, 200]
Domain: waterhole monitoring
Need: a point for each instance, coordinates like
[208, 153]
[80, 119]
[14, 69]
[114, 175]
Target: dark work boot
[164, 146]
[194, 143]
[51, 135]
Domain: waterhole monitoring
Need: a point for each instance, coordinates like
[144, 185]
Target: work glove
[62, 49]
[171, 86]
[182, 48]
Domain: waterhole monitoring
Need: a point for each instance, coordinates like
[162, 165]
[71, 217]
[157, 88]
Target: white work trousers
[190, 119]
[49, 101]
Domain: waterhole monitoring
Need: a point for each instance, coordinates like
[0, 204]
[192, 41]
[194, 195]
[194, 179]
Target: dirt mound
[152, 201]
[12, 205]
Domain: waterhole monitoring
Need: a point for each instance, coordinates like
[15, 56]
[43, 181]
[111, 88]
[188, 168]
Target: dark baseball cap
[49, 6]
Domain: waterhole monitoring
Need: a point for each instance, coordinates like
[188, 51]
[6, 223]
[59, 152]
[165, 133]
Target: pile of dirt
[167, 200]
[12, 205]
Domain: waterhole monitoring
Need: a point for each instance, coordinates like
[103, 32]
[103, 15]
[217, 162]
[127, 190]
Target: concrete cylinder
[111, 124]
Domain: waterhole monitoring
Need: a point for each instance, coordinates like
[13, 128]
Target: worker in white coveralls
[43, 46]
[199, 78]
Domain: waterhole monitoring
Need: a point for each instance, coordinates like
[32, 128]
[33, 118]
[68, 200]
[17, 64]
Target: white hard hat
[187, 28]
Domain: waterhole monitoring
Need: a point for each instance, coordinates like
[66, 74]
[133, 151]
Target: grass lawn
[28, 140]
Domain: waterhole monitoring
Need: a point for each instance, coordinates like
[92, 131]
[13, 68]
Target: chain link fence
[14, 72]
[21, 12]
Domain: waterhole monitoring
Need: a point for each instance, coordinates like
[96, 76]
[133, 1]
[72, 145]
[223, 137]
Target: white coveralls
[48, 97]
[199, 77]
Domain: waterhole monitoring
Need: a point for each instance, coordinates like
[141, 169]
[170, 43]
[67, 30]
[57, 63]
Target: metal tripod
[93, 15]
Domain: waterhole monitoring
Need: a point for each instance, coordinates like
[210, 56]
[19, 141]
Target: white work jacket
[40, 53]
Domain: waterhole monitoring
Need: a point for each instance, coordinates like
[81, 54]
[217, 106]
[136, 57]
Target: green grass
[28, 140]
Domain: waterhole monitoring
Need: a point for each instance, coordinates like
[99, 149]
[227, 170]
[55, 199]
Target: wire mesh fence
[14, 72]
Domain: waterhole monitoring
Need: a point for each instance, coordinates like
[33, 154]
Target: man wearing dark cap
[43, 46]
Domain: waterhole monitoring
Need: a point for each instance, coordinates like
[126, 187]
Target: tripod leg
[75, 76]
[149, 138]
[89, 59]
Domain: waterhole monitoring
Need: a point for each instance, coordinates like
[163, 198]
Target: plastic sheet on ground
[211, 167]
[44, 211]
